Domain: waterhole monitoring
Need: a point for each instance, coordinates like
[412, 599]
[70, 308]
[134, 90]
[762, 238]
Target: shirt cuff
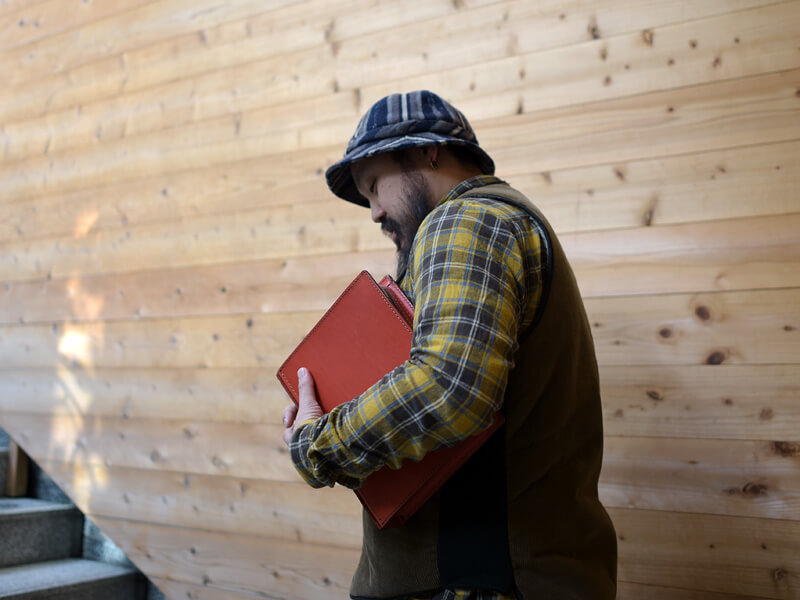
[310, 464]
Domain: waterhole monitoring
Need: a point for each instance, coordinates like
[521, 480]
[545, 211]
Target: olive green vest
[522, 516]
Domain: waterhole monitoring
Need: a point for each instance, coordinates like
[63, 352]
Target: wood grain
[291, 512]
[709, 553]
[163, 211]
[735, 183]
[750, 327]
[636, 591]
[248, 565]
[722, 477]
[255, 451]
[705, 401]
[756, 253]
[771, 115]
[240, 43]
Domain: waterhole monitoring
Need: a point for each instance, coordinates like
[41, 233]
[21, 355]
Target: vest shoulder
[475, 207]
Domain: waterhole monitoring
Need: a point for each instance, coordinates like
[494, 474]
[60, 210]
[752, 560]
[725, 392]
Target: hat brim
[340, 180]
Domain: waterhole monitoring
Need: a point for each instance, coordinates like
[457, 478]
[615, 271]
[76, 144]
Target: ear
[430, 153]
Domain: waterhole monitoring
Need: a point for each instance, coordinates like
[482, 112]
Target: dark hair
[462, 154]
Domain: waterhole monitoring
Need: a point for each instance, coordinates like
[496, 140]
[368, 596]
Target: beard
[417, 206]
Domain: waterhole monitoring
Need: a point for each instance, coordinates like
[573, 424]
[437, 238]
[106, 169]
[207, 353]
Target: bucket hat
[401, 121]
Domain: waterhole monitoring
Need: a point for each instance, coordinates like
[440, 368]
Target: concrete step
[71, 579]
[33, 530]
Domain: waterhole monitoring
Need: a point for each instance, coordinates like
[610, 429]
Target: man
[498, 326]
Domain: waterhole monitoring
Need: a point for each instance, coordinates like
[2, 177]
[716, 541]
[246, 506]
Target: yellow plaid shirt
[474, 276]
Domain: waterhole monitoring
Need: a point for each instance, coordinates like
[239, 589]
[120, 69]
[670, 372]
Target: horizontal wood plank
[170, 48]
[708, 401]
[736, 478]
[292, 512]
[636, 591]
[752, 327]
[702, 552]
[146, 23]
[658, 124]
[734, 555]
[246, 395]
[38, 20]
[690, 329]
[179, 590]
[520, 28]
[736, 183]
[255, 451]
[730, 254]
[701, 402]
[682, 476]
[743, 112]
[759, 253]
[241, 564]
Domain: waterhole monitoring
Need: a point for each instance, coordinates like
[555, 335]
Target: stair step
[70, 579]
[33, 530]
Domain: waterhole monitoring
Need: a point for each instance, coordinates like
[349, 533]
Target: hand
[308, 407]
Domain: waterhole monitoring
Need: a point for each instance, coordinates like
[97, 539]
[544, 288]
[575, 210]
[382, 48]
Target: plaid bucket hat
[401, 121]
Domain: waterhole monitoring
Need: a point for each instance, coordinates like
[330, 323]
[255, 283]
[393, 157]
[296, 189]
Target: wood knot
[727, 402]
[715, 358]
[249, 323]
[786, 449]
[778, 574]
[593, 29]
[717, 62]
[754, 489]
[619, 173]
[665, 332]
[654, 395]
[788, 328]
[766, 414]
[619, 413]
[607, 80]
[647, 36]
[702, 313]
[219, 463]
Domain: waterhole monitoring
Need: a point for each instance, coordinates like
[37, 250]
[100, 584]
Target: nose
[377, 212]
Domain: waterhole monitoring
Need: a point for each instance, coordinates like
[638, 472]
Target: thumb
[308, 407]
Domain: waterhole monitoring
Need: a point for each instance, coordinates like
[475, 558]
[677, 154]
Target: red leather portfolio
[365, 334]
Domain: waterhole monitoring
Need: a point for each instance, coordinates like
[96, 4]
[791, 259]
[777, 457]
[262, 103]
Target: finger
[289, 413]
[287, 436]
[305, 384]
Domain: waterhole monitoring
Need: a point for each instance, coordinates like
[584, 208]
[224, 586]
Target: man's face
[399, 199]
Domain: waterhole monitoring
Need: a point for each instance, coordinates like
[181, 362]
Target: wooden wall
[167, 238]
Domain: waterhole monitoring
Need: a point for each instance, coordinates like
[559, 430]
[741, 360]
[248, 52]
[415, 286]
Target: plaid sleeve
[468, 273]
